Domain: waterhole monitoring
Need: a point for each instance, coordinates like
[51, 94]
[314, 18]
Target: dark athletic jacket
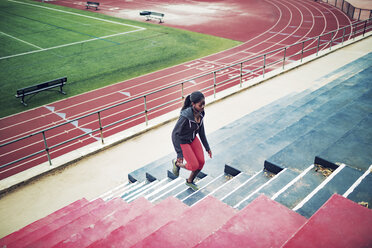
[186, 130]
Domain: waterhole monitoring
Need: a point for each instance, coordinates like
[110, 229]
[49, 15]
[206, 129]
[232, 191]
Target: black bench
[152, 15]
[34, 89]
[92, 4]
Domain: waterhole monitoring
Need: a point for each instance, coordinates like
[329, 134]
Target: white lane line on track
[75, 123]
[273, 36]
[125, 93]
[314, 21]
[309, 30]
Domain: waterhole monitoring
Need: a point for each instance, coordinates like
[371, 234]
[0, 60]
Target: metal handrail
[265, 56]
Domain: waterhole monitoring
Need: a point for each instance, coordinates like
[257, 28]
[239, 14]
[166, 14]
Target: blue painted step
[206, 190]
[186, 191]
[354, 148]
[298, 189]
[363, 192]
[139, 188]
[232, 184]
[338, 182]
[300, 153]
[273, 186]
[352, 67]
[178, 188]
[250, 155]
[253, 117]
[239, 193]
[155, 186]
[164, 189]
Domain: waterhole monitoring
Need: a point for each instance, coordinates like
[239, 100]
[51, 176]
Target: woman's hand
[210, 153]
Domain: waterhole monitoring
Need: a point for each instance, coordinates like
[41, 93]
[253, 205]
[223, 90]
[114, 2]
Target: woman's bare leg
[193, 174]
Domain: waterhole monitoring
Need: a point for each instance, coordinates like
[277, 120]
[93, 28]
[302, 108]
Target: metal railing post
[182, 91]
[302, 50]
[343, 36]
[330, 44]
[342, 5]
[47, 148]
[100, 127]
[317, 47]
[146, 117]
[356, 26]
[214, 84]
[285, 52]
[264, 65]
[241, 75]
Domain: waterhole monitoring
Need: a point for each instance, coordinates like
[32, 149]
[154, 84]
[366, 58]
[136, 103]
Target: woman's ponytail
[187, 103]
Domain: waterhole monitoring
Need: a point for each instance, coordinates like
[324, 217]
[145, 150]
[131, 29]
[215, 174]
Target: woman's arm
[175, 136]
[203, 139]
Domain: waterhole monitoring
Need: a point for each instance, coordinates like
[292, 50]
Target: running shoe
[192, 185]
[176, 169]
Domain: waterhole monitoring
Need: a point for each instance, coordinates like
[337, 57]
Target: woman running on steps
[185, 141]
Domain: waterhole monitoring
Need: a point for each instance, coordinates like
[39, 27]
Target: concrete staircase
[290, 174]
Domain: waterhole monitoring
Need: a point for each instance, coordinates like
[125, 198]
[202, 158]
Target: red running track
[263, 26]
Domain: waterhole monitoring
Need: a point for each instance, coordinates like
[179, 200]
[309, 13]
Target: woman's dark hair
[194, 97]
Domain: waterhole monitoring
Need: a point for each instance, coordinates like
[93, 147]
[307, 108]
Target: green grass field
[40, 42]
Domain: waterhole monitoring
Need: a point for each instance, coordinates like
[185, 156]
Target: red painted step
[192, 226]
[41, 222]
[102, 228]
[139, 228]
[78, 224]
[44, 230]
[262, 223]
[340, 222]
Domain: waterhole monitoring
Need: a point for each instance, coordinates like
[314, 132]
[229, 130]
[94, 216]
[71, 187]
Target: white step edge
[320, 186]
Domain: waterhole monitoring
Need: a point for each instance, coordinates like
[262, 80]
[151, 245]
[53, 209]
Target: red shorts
[194, 155]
